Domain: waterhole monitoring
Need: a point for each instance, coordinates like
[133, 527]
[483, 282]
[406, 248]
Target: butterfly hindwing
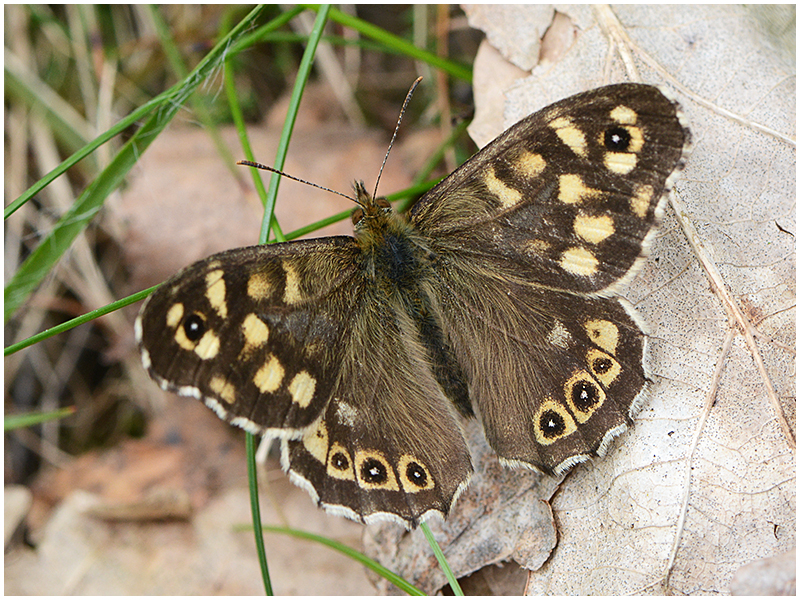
[553, 377]
[390, 443]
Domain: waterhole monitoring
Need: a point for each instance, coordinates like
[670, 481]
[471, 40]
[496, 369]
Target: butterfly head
[371, 212]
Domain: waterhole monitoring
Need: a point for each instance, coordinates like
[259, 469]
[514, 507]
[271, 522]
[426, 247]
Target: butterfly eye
[617, 139]
[382, 203]
[357, 215]
[585, 396]
[194, 327]
[374, 471]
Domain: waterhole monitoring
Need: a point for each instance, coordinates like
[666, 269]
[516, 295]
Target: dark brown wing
[293, 341]
[528, 236]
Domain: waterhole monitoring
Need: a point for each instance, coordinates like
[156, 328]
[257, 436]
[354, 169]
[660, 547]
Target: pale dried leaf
[723, 264]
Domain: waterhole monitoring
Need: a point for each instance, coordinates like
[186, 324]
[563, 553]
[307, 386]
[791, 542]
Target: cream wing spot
[260, 286]
[624, 115]
[255, 332]
[208, 346]
[183, 341]
[223, 388]
[346, 413]
[537, 247]
[640, 202]
[593, 229]
[530, 163]
[603, 333]
[215, 292]
[506, 196]
[291, 294]
[621, 163]
[316, 442]
[302, 389]
[269, 377]
[559, 336]
[569, 134]
[637, 139]
[579, 261]
[174, 315]
[571, 189]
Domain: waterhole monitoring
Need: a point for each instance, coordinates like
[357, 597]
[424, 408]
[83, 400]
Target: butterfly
[495, 297]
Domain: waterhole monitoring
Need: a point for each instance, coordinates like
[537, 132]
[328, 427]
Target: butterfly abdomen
[401, 264]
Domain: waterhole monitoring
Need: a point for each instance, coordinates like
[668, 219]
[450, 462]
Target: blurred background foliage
[82, 82]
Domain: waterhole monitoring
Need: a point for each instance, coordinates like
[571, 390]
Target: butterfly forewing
[256, 332]
[566, 197]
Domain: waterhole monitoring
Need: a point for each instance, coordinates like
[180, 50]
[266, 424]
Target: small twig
[687, 485]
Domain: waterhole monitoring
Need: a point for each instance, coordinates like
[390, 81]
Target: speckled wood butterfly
[494, 296]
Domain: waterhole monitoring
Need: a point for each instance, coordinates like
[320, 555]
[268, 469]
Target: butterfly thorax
[394, 255]
[400, 265]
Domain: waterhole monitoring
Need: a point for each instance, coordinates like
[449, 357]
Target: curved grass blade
[451, 579]
[399, 45]
[348, 551]
[50, 250]
[18, 421]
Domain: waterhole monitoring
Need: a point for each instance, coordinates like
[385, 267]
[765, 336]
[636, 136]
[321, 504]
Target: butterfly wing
[291, 340]
[248, 331]
[390, 446]
[566, 198]
[529, 236]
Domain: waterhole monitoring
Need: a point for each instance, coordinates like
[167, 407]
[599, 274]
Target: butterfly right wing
[532, 237]
[292, 340]
[254, 332]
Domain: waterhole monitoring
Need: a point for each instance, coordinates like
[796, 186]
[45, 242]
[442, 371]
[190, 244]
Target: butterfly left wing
[531, 237]
[389, 445]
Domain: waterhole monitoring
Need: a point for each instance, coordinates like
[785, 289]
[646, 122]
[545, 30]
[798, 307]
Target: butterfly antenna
[396, 128]
[250, 163]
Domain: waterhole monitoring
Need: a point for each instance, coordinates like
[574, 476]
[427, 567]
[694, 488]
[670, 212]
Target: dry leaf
[705, 482]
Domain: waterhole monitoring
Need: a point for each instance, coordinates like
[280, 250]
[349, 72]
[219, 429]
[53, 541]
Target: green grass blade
[50, 250]
[67, 325]
[399, 45]
[18, 421]
[255, 511]
[347, 551]
[451, 579]
[303, 72]
[262, 33]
